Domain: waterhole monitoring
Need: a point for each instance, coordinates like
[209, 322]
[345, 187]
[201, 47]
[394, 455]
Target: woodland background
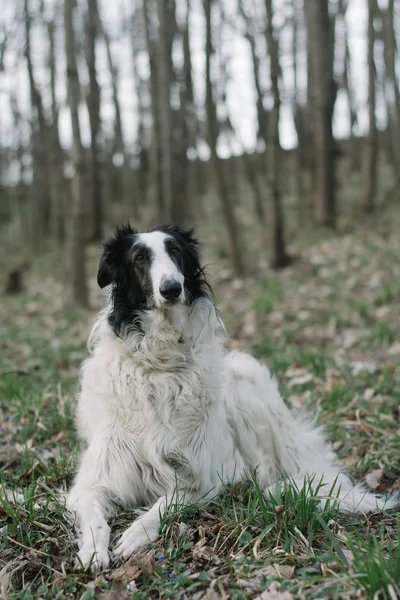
[69, 167]
[273, 126]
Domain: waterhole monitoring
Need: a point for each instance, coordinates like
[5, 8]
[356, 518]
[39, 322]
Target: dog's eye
[175, 251]
[139, 258]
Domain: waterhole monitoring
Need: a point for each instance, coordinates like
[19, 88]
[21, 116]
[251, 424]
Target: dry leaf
[118, 594]
[273, 593]
[275, 570]
[369, 394]
[205, 554]
[394, 350]
[374, 478]
[134, 567]
[301, 379]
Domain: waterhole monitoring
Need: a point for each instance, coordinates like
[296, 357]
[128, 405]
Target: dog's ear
[114, 253]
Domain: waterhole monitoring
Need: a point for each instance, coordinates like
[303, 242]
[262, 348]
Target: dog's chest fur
[161, 404]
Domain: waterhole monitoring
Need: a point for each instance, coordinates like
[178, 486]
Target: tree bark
[371, 151]
[40, 140]
[323, 90]
[392, 86]
[56, 158]
[347, 82]
[93, 105]
[302, 207]
[189, 125]
[280, 258]
[156, 145]
[212, 126]
[164, 75]
[79, 216]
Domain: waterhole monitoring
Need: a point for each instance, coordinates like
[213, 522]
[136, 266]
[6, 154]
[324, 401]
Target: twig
[10, 539]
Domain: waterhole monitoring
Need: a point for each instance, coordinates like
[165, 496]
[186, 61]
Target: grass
[329, 329]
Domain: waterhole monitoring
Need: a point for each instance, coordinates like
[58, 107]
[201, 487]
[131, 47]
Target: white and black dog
[165, 409]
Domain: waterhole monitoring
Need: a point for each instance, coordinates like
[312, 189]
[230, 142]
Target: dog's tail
[352, 498]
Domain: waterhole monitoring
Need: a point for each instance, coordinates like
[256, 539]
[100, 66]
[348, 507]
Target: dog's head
[154, 270]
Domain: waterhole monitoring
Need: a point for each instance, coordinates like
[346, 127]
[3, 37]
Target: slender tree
[323, 91]
[93, 105]
[79, 211]
[156, 138]
[40, 140]
[212, 126]
[280, 258]
[371, 149]
[392, 85]
[56, 156]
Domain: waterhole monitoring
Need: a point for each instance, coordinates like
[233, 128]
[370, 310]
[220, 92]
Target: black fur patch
[131, 291]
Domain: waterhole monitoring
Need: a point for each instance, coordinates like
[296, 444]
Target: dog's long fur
[164, 408]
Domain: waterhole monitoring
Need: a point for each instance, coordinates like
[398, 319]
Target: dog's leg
[89, 502]
[147, 527]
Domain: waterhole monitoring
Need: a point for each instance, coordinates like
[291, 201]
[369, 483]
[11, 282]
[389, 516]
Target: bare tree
[164, 75]
[298, 117]
[79, 212]
[156, 141]
[280, 258]
[40, 141]
[93, 104]
[371, 150]
[347, 82]
[323, 91]
[392, 85]
[56, 156]
[212, 126]
[189, 124]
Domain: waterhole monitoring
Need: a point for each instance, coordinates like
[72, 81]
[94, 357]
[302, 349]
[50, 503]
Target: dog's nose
[170, 289]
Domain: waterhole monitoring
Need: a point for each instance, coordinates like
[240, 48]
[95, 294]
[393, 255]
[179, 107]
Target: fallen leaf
[134, 567]
[374, 478]
[394, 350]
[273, 593]
[301, 380]
[369, 394]
[114, 595]
[205, 554]
[276, 570]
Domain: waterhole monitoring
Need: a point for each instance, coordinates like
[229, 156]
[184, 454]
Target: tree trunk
[56, 158]
[93, 105]
[280, 258]
[79, 224]
[371, 151]
[116, 179]
[320, 32]
[299, 125]
[392, 86]
[189, 125]
[212, 126]
[164, 73]
[261, 113]
[156, 145]
[40, 187]
[347, 82]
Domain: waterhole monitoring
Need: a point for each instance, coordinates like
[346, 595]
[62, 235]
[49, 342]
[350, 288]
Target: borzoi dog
[165, 408]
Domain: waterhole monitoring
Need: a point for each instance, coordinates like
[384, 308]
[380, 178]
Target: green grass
[328, 328]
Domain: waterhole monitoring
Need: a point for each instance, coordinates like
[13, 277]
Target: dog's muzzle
[171, 290]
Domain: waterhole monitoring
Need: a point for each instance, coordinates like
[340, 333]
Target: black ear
[113, 257]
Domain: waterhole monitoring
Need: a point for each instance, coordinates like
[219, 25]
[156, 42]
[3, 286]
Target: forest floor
[329, 328]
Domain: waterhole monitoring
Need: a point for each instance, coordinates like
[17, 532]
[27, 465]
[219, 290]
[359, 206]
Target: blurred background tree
[247, 118]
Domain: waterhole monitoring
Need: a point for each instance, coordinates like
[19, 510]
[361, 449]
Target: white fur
[173, 409]
[163, 267]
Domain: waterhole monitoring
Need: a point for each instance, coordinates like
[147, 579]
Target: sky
[241, 103]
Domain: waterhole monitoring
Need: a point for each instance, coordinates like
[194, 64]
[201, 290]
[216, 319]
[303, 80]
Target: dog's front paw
[88, 556]
[135, 537]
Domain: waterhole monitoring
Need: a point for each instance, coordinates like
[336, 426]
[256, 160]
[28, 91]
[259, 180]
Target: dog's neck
[165, 339]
